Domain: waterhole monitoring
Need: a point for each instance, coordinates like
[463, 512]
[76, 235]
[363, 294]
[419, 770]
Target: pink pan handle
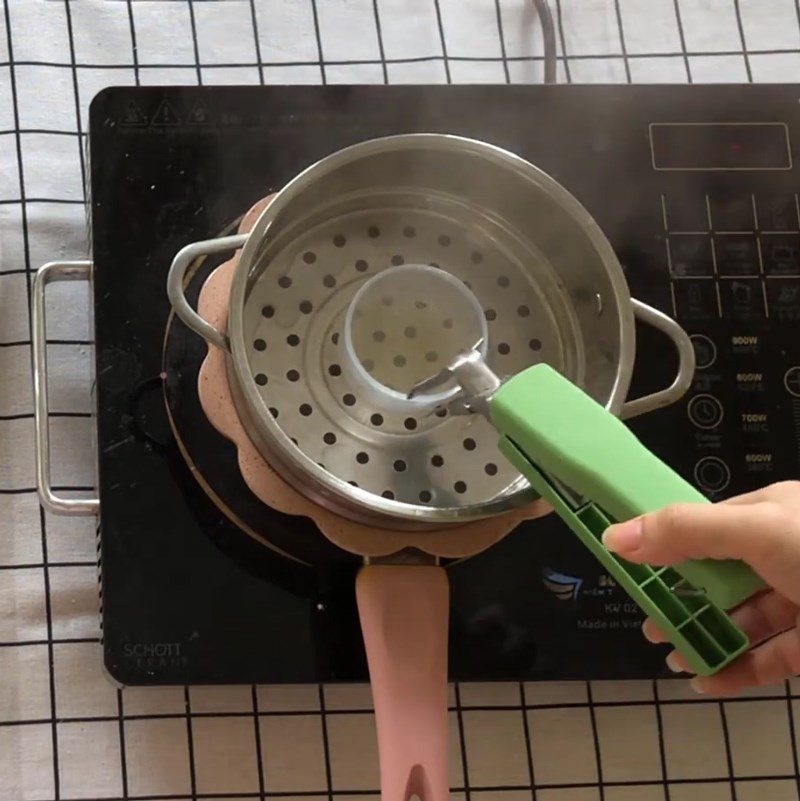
[404, 612]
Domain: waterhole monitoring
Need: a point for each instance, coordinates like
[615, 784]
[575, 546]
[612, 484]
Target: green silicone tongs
[594, 472]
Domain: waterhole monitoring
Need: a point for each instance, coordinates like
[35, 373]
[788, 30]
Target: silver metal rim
[303, 472]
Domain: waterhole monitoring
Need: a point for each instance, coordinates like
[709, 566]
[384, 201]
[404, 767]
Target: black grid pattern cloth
[65, 731]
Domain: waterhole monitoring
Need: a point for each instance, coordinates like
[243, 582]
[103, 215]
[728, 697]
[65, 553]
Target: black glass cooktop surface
[694, 186]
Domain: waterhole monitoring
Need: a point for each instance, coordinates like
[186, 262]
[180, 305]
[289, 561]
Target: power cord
[549, 37]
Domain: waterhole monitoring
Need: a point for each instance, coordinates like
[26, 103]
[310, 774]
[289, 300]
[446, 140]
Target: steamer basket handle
[686, 363]
[177, 277]
[54, 271]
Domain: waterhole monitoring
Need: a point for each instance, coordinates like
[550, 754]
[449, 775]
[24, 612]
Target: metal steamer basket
[549, 283]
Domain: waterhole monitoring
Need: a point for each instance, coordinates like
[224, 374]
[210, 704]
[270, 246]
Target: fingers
[761, 528]
[759, 618]
[772, 625]
[652, 633]
[785, 492]
[772, 662]
[764, 534]
[765, 616]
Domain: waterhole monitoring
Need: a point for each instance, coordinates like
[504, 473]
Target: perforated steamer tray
[294, 319]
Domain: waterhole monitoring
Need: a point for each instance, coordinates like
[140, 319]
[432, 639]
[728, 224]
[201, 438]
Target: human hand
[760, 528]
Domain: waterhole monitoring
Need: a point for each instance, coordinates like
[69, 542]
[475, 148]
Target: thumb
[764, 535]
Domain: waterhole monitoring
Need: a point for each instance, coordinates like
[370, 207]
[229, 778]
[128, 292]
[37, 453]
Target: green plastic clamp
[550, 427]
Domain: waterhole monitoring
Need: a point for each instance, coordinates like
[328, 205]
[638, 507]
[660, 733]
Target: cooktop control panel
[732, 254]
[737, 258]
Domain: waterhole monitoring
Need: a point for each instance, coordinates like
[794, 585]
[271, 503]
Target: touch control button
[736, 255]
[791, 380]
[705, 411]
[783, 295]
[705, 351]
[781, 254]
[712, 474]
[742, 300]
[686, 212]
[777, 213]
[696, 300]
[690, 255]
[732, 212]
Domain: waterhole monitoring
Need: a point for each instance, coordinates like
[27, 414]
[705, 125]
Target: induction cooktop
[695, 187]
